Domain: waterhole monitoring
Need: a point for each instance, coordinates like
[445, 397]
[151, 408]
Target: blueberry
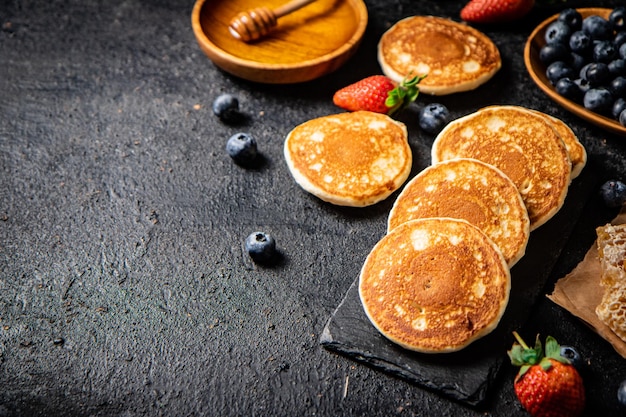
[226, 107]
[597, 27]
[613, 193]
[617, 87]
[598, 100]
[558, 70]
[572, 18]
[242, 148]
[580, 42]
[617, 67]
[604, 51]
[261, 247]
[582, 84]
[557, 32]
[622, 51]
[618, 18]
[622, 118]
[618, 107]
[621, 393]
[583, 71]
[567, 88]
[572, 355]
[433, 117]
[597, 73]
[620, 38]
[552, 52]
[576, 61]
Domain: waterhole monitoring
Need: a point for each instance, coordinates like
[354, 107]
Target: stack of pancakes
[440, 278]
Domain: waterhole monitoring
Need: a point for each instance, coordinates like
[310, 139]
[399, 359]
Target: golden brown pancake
[435, 285]
[471, 190]
[349, 159]
[576, 151]
[455, 56]
[522, 144]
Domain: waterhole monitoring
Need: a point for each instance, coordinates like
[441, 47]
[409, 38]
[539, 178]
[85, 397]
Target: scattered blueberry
[597, 27]
[226, 107]
[622, 118]
[621, 393]
[558, 32]
[558, 70]
[599, 100]
[261, 247]
[613, 193]
[242, 148]
[572, 18]
[433, 117]
[571, 354]
[618, 18]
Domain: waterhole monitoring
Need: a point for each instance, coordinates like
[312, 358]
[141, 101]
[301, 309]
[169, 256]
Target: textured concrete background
[124, 287]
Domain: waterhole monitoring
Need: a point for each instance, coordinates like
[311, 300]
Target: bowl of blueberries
[578, 58]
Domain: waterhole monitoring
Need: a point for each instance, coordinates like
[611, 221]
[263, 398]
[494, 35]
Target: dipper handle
[253, 24]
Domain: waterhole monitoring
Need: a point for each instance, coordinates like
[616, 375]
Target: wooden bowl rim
[362, 16]
[536, 69]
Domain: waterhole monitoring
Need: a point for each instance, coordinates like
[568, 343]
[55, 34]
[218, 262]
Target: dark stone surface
[124, 287]
[469, 374]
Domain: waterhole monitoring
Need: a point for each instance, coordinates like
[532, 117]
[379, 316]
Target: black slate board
[467, 375]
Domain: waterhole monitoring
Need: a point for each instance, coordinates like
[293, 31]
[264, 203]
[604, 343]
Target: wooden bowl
[537, 72]
[306, 44]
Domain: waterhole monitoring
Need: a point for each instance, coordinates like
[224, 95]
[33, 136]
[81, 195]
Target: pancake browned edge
[522, 144]
[435, 285]
[349, 159]
[576, 151]
[471, 190]
[454, 56]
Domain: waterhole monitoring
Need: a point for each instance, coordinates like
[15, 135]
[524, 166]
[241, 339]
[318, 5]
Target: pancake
[454, 56]
[576, 151]
[435, 285]
[471, 190]
[349, 159]
[522, 144]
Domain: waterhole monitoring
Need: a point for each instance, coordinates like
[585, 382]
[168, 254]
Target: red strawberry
[495, 11]
[377, 93]
[546, 385]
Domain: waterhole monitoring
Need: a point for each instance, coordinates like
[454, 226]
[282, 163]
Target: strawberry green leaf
[545, 364]
[553, 350]
[404, 94]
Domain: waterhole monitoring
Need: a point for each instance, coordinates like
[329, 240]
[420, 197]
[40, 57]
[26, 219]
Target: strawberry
[547, 385]
[378, 93]
[495, 11]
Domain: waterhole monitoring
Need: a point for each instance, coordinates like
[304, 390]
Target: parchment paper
[579, 292]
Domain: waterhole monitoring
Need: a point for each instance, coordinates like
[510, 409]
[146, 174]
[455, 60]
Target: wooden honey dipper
[253, 24]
